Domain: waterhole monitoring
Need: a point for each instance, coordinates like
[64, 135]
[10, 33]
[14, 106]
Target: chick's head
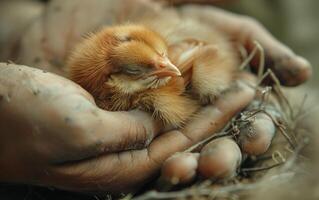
[141, 55]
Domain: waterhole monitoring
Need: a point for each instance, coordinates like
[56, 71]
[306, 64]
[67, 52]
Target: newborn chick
[127, 67]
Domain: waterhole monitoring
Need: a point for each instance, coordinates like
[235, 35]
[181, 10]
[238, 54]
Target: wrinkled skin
[61, 138]
[53, 134]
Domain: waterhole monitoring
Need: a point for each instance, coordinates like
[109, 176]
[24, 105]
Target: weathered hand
[53, 134]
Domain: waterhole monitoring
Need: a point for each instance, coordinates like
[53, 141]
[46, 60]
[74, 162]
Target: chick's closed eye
[132, 70]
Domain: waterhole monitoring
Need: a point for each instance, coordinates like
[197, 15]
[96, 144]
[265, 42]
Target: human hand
[53, 134]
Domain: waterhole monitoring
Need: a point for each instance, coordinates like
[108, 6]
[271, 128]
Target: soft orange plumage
[127, 67]
[118, 65]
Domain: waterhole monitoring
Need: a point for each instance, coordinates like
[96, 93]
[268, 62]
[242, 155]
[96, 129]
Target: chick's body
[127, 67]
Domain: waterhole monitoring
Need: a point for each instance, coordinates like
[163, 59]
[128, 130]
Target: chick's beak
[166, 68]
[171, 67]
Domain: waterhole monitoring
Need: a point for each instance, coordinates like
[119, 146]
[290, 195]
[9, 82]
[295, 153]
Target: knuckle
[142, 135]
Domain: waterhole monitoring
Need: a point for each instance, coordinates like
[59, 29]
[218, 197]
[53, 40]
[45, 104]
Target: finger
[114, 173]
[128, 170]
[289, 68]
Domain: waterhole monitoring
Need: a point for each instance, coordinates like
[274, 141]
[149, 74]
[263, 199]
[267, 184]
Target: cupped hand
[53, 134]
